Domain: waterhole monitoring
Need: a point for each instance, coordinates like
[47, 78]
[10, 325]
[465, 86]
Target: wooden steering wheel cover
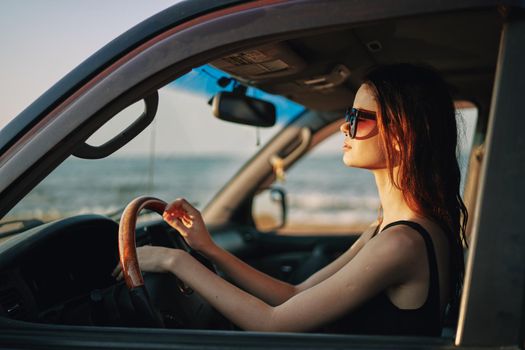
[126, 237]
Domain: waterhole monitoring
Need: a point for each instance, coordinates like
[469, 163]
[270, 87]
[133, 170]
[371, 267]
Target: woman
[400, 275]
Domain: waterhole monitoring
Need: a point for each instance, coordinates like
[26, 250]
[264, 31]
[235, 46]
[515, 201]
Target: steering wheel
[139, 296]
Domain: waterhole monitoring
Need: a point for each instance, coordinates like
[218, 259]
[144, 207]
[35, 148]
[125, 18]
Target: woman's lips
[346, 147]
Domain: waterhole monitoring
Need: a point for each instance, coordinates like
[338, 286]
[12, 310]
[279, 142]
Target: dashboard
[60, 273]
[45, 270]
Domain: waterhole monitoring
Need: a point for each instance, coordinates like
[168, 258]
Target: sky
[43, 40]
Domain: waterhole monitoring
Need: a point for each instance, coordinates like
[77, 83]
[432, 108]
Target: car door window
[325, 197]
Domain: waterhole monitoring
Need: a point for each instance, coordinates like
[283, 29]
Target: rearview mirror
[242, 109]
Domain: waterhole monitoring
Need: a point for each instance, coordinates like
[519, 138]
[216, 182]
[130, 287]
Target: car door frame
[494, 286]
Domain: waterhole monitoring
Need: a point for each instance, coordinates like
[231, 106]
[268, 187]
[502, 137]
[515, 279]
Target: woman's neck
[392, 200]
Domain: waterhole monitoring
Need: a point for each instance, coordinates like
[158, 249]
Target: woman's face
[363, 152]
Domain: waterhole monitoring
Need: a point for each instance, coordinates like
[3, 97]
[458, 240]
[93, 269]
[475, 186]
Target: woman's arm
[270, 290]
[338, 263]
[188, 221]
[388, 260]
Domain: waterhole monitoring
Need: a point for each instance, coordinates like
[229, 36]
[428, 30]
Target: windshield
[185, 152]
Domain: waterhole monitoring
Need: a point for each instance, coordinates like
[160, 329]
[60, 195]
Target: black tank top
[380, 316]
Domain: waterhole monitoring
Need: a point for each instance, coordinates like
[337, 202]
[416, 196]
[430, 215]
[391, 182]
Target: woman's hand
[151, 259]
[182, 216]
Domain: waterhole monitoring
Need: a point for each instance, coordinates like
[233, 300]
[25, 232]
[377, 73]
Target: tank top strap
[433, 291]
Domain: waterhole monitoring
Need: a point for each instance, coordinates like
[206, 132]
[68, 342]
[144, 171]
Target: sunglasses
[361, 124]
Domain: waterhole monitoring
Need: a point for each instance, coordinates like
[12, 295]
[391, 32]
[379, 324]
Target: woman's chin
[351, 162]
[347, 160]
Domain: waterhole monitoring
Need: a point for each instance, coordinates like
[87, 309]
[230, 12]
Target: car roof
[323, 70]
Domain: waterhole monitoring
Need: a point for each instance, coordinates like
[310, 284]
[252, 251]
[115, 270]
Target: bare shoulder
[401, 242]
[408, 241]
[395, 253]
[403, 236]
[438, 237]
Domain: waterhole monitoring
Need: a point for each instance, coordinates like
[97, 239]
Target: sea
[320, 189]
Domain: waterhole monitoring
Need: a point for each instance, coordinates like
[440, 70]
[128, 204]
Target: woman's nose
[344, 128]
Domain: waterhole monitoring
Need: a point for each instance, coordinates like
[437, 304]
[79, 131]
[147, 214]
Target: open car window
[325, 197]
[184, 152]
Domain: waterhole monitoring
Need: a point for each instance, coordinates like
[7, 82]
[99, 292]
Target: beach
[323, 195]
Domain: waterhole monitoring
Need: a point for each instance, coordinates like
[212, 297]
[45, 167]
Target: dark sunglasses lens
[350, 118]
[353, 125]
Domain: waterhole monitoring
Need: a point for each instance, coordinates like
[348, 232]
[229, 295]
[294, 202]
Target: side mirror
[241, 109]
[269, 209]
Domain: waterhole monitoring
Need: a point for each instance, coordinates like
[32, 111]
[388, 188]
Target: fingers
[186, 221]
[180, 224]
[120, 276]
[181, 227]
[181, 207]
[116, 270]
[186, 206]
[117, 273]
[180, 214]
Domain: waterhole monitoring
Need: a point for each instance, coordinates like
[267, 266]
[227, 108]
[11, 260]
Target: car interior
[320, 70]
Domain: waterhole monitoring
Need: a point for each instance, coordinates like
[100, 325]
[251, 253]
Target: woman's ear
[397, 147]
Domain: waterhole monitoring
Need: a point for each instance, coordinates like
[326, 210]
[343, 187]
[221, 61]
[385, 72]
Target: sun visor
[264, 62]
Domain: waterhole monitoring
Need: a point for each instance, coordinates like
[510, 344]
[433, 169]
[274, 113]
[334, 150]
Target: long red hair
[416, 112]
